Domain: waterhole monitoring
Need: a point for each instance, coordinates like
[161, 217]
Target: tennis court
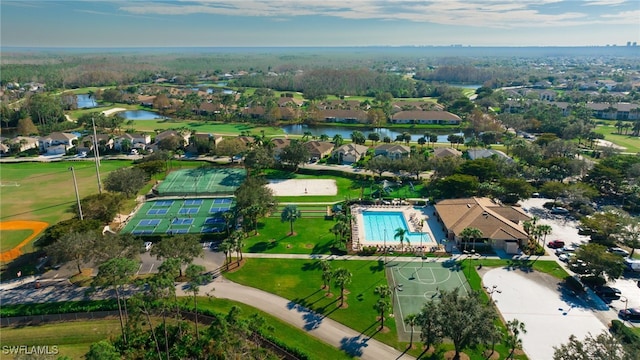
[414, 283]
[202, 181]
[182, 216]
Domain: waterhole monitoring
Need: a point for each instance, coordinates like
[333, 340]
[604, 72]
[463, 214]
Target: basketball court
[414, 283]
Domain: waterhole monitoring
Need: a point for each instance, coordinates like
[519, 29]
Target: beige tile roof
[494, 220]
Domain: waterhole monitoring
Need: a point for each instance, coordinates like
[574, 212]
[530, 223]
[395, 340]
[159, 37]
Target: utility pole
[96, 153]
[75, 186]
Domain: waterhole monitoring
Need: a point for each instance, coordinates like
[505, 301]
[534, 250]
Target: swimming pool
[381, 225]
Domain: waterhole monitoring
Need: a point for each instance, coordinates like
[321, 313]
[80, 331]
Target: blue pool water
[381, 224]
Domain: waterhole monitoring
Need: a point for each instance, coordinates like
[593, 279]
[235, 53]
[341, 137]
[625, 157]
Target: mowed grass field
[204, 127]
[45, 191]
[632, 143]
[11, 238]
[73, 339]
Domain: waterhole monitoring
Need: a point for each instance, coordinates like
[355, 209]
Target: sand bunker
[302, 187]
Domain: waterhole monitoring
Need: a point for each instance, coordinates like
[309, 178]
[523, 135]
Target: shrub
[625, 334]
[368, 250]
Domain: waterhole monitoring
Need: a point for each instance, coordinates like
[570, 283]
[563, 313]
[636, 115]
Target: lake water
[140, 115]
[83, 101]
[345, 132]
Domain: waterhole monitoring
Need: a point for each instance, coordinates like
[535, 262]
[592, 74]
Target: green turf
[177, 216]
[72, 338]
[631, 143]
[205, 127]
[12, 238]
[202, 181]
[312, 236]
[46, 190]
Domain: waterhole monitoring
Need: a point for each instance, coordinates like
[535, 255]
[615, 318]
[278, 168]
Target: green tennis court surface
[414, 283]
[202, 181]
[180, 216]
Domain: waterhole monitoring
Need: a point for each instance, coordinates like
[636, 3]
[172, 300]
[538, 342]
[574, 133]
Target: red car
[556, 244]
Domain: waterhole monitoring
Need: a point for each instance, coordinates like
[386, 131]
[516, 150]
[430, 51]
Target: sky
[318, 23]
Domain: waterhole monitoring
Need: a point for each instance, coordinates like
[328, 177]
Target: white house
[55, 139]
[350, 153]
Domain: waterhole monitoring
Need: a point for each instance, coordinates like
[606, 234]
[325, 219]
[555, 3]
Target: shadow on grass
[379, 266]
[262, 246]
[323, 248]
[310, 266]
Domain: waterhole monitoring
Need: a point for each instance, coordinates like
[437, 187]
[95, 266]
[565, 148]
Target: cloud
[478, 13]
[603, 2]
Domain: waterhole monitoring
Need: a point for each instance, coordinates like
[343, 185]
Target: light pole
[384, 254]
[96, 153]
[75, 186]
[491, 290]
[626, 301]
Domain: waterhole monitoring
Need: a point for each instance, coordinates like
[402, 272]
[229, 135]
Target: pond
[83, 101]
[345, 132]
[140, 115]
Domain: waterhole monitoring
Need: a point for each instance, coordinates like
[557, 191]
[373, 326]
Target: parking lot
[565, 228]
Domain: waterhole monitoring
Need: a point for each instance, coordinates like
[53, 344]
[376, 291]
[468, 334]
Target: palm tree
[236, 240]
[513, 340]
[227, 216]
[306, 135]
[196, 276]
[400, 235]
[544, 230]
[472, 234]
[226, 247]
[290, 213]
[381, 306]
[411, 320]
[324, 137]
[342, 278]
[327, 275]
[337, 140]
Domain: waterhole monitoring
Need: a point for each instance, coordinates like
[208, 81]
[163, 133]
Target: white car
[565, 257]
[566, 249]
[148, 245]
[619, 251]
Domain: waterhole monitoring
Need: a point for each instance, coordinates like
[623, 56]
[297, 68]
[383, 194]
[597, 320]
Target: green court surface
[179, 216]
[414, 283]
[202, 181]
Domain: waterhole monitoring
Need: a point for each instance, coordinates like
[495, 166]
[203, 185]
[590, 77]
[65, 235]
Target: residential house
[205, 138]
[318, 149]
[22, 143]
[4, 149]
[56, 139]
[446, 151]
[487, 153]
[344, 116]
[350, 153]
[278, 145]
[138, 141]
[289, 101]
[426, 117]
[85, 145]
[500, 225]
[146, 100]
[392, 151]
[172, 133]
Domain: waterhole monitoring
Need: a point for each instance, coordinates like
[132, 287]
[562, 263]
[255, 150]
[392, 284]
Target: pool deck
[416, 218]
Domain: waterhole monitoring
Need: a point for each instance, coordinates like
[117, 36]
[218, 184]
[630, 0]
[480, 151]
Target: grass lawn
[312, 236]
[288, 334]
[46, 189]
[632, 143]
[72, 338]
[300, 281]
[205, 127]
[11, 238]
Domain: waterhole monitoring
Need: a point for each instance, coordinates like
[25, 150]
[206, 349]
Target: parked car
[619, 251]
[565, 257]
[607, 292]
[148, 245]
[559, 210]
[579, 267]
[631, 314]
[565, 249]
[555, 244]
